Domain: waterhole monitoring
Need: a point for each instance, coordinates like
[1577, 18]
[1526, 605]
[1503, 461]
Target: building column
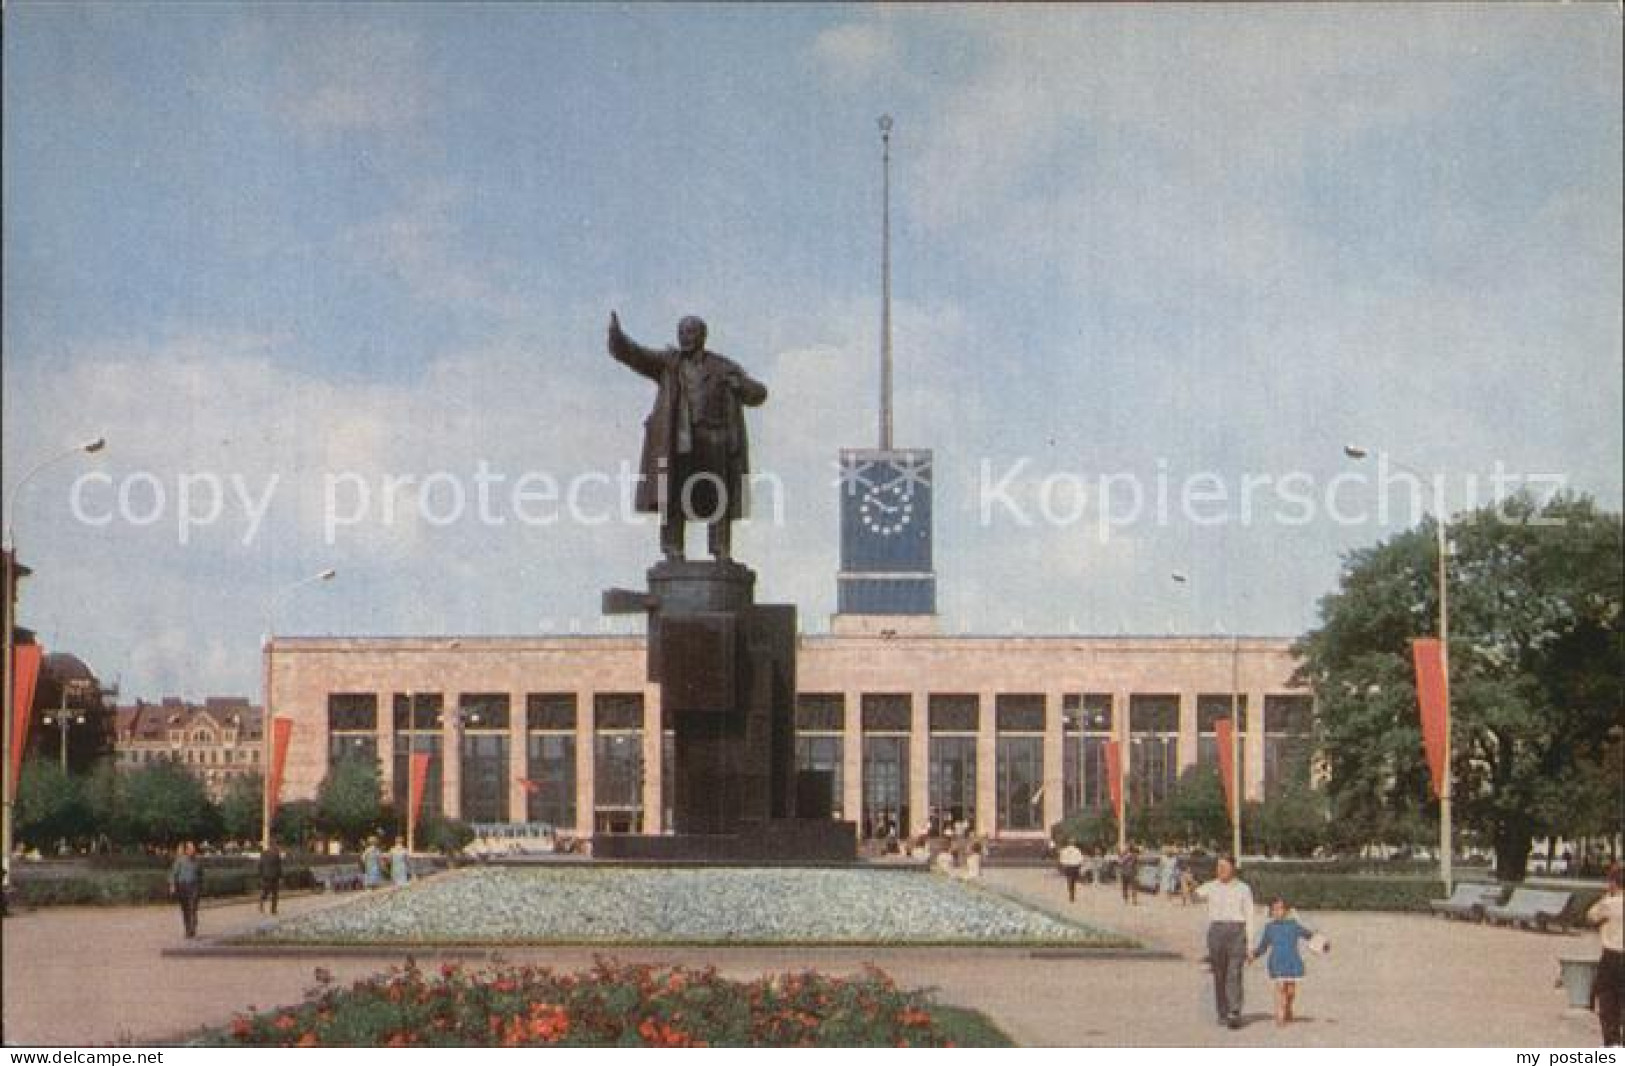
[1054, 802]
[653, 765]
[518, 759]
[1122, 731]
[385, 733]
[451, 755]
[1253, 744]
[852, 758]
[1187, 730]
[919, 763]
[584, 764]
[987, 763]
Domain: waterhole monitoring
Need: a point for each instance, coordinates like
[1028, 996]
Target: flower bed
[576, 905]
[610, 1005]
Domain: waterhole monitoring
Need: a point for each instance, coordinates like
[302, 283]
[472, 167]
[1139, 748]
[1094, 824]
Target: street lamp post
[63, 720]
[1236, 782]
[1440, 528]
[7, 785]
[266, 716]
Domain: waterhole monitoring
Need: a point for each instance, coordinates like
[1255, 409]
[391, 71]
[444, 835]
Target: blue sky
[299, 241]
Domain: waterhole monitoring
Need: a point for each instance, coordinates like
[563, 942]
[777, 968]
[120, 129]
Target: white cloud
[856, 51]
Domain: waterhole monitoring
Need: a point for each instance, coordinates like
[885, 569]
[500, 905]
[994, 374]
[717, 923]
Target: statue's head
[691, 333]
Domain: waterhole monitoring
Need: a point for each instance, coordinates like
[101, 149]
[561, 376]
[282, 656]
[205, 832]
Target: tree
[1193, 812]
[295, 823]
[348, 801]
[1294, 821]
[1535, 651]
[51, 806]
[242, 807]
[161, 804]
[1091, 828]
[446, 835]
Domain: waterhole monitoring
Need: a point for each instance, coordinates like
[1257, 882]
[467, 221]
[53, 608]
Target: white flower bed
[762, 905]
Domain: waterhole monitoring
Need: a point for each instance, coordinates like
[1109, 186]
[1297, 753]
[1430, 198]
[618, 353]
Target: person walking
[1230, 928]
[1609, 912]
[186, 885]
[1279, 941]
[372, 864]
[1128, 869]
[400, 864]
[1071, 860]
[270, 876]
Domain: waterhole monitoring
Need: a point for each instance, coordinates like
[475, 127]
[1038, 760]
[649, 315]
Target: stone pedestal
[726, 667]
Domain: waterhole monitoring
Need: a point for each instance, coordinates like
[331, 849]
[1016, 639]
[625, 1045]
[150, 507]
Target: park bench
[336, 878]
[1531, 908]
[1468, 901]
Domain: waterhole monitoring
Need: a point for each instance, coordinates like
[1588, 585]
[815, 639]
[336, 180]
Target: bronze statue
[695, 455]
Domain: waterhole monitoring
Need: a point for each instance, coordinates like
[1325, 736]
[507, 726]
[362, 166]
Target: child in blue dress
[1280, 942]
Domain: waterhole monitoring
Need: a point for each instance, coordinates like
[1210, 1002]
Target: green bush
[1341, 892]
[127, 886]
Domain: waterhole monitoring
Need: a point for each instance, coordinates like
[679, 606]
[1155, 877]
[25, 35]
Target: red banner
[530, 787]
[420, 778]
[281, 735]
[1433, 700]
[26, 658]
[1225, 738]
[1114, 776]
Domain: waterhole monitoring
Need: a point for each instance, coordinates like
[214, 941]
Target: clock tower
[886, 584]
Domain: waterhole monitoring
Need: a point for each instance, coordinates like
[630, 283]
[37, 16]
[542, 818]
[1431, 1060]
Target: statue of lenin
[695, 455]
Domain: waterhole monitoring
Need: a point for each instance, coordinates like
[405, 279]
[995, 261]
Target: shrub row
[1334, 892]
[142, 886]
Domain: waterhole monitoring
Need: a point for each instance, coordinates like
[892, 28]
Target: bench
[336, 878]
[1468, 901]
[1531, 908]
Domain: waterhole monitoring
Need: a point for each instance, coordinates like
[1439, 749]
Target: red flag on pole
[26, 659]
[1433, 700]
[1224, 735]
[281, 734]
[1114, 776]
[420, 778]
[528, 785]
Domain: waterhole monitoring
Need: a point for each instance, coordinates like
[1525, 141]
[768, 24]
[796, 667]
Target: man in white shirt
[1230, 929]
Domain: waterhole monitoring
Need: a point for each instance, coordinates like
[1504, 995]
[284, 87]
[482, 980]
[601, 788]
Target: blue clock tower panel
[886, 533]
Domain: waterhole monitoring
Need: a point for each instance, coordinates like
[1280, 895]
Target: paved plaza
[101, 975]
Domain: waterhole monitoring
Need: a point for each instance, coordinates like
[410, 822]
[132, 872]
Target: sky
[293, 252]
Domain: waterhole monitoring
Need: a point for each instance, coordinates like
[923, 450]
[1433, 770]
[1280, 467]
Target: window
[1019, 777]
[484, 776]
[826, 753]
[1289, 745]
[424, 744]
[952, 783]
[1209, 709]
[617, 710]
[618, 781]
[1088, 713]
[953, 713]
[885, 786]
[887, 713]
[553, 711]
[1153, 748]
[1019, 713]
[419, 711]
[485, 710]
[550, 767]
[352, 712]
[820, 712]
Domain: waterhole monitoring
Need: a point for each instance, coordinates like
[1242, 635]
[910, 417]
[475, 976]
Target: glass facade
[1086, 725]
[618, 782]
[417, 719]
[1289, 745]
[885, 787]
[1153, 765]
[953, 782]
[550, 766]
[1020, 777]
[1209, 709]
[485, 777]
[815, 751]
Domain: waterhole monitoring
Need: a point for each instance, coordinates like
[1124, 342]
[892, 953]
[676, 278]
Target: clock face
[887, 509]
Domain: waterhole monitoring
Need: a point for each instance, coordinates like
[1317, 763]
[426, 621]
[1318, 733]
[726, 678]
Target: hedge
[1333, 892]
[142, 886]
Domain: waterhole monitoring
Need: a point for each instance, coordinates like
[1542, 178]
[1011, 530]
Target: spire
[885, 283]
